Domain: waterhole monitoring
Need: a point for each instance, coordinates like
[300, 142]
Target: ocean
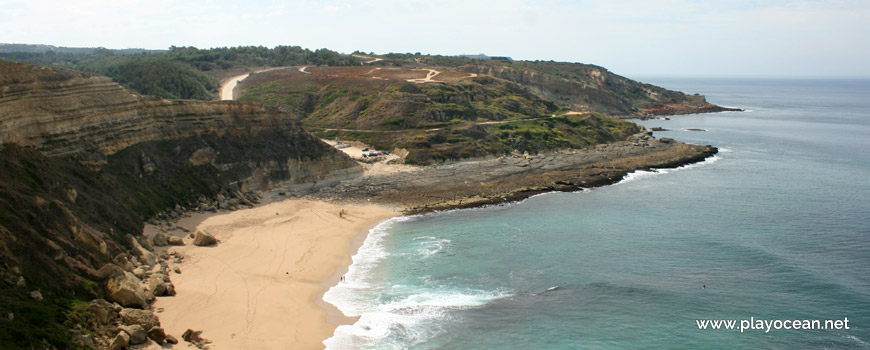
[774, 227]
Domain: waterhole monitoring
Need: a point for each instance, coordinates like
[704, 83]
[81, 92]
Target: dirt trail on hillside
[428, 79]
[370, 59]
[227, 87]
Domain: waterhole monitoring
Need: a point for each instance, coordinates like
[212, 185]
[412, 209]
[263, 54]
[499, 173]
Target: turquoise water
[774, 227]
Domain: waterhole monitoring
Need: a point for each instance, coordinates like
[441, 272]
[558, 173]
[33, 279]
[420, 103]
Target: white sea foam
[432, 246]
[392, 314]
[642, 174]
[407, 320]
[637, 174]
[349, 294]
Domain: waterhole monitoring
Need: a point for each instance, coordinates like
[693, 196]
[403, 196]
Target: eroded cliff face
[85, 162]
[71, 114]
[66, 113]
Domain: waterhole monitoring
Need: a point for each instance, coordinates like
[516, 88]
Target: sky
[743, 38]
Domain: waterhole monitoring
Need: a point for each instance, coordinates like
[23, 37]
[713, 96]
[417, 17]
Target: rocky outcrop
[491, 180]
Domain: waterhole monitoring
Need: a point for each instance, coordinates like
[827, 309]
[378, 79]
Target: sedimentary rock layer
[66, 113]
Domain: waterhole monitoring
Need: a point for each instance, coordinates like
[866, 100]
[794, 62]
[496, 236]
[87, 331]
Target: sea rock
[144, 318]
[121, 341]
[136, 332]
[203, 238]
[157, 334]
[126, 289]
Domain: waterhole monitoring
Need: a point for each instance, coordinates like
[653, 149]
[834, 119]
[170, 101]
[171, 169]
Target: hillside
[192, 73]
[470, 116]
[86, 162]
[470, 110]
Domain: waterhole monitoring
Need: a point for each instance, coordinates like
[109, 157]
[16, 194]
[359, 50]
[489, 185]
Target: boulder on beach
[160, 285]
[203, 238]
[121, 341]
[157, 334]
[126, 289]
[173, 240]
[136, 332]
[160, 240]
[144, 318]
[194, 338]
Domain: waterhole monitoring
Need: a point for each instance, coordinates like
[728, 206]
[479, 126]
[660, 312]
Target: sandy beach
[261, 287]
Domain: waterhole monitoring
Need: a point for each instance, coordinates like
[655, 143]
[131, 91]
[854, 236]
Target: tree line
[181, 72]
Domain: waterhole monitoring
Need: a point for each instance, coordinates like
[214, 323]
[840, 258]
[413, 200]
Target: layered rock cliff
[67, 113]
[85, 162]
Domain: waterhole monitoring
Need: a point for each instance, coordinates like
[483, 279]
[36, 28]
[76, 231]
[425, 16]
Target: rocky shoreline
[472, 183]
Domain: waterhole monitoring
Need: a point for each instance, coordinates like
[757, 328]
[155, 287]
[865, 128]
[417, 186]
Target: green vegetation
[167, 79]
[180, 72]
[470, 117]
[464, 139]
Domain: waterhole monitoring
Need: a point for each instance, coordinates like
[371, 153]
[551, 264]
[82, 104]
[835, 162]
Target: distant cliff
[585, 87]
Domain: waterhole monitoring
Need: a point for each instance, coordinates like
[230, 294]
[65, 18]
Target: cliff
[585, 87]
[66, 113]
[85, 162]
